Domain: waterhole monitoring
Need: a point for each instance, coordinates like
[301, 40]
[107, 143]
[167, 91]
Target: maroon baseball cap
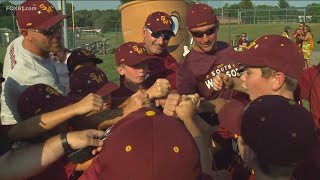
[146, 145]
[39, 99]
[280, 131]
[159, 21]
[81, 56]
[90, 79]
[37, 14]
[200, 15]
[274, 51]
[131, 53]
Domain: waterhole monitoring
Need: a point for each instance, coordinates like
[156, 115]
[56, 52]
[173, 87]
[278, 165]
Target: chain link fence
[268, 16]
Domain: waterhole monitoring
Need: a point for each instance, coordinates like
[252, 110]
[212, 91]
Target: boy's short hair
[291, 83]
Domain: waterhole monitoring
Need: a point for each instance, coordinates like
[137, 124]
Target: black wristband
[67, 148]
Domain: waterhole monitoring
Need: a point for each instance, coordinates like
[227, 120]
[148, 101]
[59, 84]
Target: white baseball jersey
[21, 69]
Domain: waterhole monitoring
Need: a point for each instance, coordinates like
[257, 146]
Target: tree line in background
[110, 19]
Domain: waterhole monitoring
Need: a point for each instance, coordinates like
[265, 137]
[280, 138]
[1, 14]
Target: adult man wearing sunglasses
[157, 31]
[201, 64]
[27, 59]
[199, 67]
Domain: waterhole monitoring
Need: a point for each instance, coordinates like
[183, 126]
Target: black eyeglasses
[158, 35]
[50, 31]
[208, 32]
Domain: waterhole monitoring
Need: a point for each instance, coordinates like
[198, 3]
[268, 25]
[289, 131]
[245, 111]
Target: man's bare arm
[25, 162]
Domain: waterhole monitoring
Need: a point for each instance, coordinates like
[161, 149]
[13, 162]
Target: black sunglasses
[158, 35]
[208, 32]
[50, 31]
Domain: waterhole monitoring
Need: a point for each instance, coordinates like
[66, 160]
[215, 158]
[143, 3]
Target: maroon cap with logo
[90, 79]
[146, 145]
[273, 51]
[39, 99]
[131, 54]
[200, 15]
[280, 131]
[81, 56]
[159, 21]
[37, 14]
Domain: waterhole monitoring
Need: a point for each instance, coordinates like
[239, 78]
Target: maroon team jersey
[305, 82]
[162, 66]
[196, 72]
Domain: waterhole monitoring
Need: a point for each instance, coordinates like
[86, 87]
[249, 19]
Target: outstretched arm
[28, 161]
[36, 125]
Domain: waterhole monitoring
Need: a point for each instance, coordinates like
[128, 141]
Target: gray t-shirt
[21, 69]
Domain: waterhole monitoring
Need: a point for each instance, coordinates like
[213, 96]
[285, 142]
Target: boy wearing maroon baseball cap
[157, 31]
[27, 59]
[90, 79]
[271, 65]
[131, 60]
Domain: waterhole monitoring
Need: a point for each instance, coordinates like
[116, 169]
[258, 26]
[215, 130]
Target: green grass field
[115, 39]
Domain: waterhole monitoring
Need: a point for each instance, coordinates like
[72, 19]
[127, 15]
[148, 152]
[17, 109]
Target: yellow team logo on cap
[164, 20]
[138, 50]
[97, 78]
[52, 91]
[46, 8]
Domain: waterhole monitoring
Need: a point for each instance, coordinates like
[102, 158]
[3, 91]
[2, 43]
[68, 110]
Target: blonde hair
[291, 83]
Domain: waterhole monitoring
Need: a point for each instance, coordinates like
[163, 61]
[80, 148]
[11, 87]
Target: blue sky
[109, 4]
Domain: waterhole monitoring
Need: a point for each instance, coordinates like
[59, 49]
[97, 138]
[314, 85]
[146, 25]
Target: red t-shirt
[305, 82]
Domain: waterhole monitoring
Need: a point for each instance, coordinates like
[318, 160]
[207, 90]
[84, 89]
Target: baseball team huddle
[218, 114]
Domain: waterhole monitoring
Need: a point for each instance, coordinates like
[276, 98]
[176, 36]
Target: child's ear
[121, 70]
